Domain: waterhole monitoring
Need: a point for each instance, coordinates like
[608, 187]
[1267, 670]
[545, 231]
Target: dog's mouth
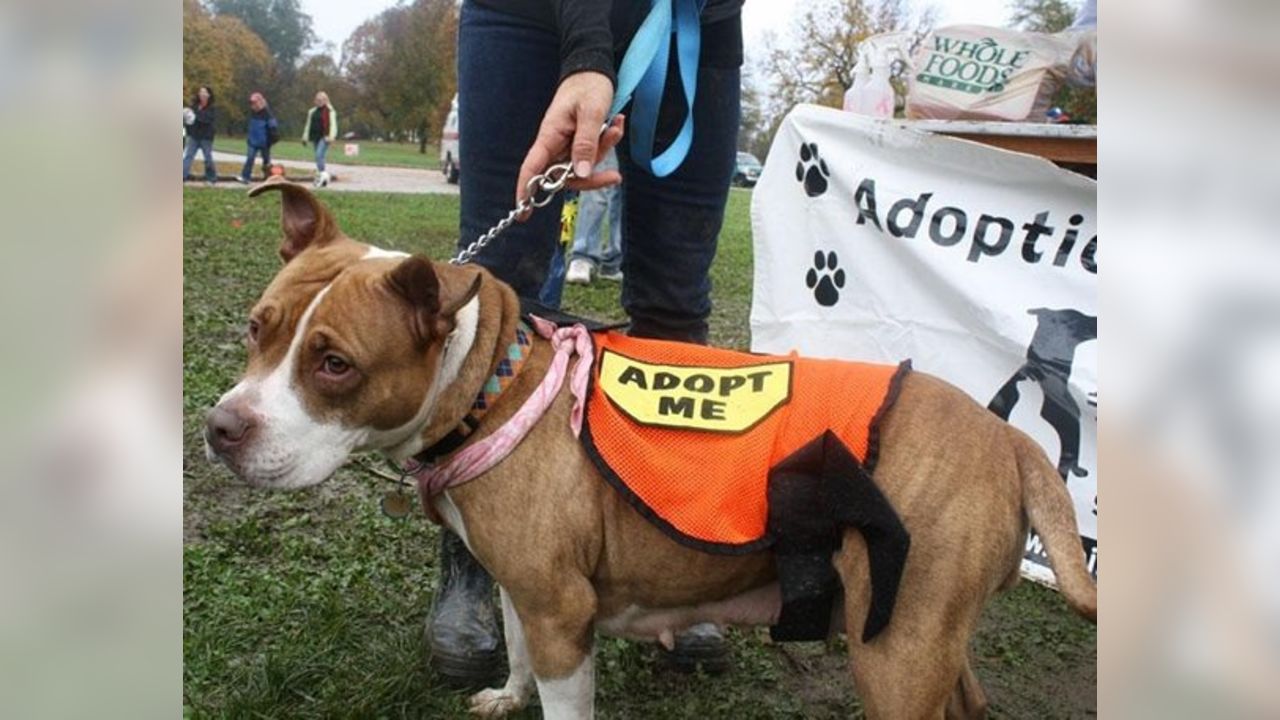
[286, 473]
[273, 477]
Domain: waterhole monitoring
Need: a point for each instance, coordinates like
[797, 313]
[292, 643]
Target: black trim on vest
[890, 398]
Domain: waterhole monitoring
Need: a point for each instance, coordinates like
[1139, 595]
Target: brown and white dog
[353, 348]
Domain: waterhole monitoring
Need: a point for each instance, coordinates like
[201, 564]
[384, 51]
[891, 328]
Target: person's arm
[333, 124]
[571, 125]
[586, 40]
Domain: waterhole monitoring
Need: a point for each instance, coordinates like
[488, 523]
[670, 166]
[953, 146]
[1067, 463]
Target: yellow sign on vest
[695, 398]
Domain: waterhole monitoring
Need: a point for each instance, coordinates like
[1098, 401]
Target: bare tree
[815, 61]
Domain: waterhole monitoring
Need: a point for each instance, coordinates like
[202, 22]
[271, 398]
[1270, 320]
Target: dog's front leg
[559, 614]
[498, 702]
[572, 697]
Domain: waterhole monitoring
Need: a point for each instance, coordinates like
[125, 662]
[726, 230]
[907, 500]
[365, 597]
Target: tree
[757, 126]
[280, 23]
[223, 53]
[204, 61]
[402, 62]
[1045, 16]
[816, 62]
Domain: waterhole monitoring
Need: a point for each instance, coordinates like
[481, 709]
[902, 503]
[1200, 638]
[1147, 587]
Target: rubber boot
[701, 646]
[462, 628]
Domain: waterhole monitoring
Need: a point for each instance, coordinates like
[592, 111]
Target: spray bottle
[872, 93]
[861, 77]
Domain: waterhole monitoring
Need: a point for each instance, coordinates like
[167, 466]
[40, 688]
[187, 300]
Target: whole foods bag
[974, 72]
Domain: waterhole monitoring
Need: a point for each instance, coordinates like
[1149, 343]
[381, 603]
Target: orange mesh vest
[692, 431]
[730, 452]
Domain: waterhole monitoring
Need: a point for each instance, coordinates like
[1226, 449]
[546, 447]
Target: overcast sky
[333, 20]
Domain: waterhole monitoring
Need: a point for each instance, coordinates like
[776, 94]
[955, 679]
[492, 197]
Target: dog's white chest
[452, 517]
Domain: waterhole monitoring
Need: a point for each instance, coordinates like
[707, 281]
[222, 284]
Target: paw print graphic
[812, 170]
[825, 279]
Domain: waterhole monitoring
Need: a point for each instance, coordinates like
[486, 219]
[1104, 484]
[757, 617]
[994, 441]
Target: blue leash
[643, 76]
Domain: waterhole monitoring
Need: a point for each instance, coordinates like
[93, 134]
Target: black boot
[462, 628]
[701, 646]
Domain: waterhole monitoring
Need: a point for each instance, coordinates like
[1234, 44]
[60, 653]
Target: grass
[311, 604]
[387, 154]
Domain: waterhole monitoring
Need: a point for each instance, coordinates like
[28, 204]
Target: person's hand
[571, 128]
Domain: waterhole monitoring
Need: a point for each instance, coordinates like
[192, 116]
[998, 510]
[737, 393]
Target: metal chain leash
[542, 188]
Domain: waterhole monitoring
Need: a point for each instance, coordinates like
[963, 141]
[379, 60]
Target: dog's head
[348, 348]
[1066, 327]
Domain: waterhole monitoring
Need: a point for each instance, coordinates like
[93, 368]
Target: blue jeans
[604, 251]
[189, 155]
[250, 153]
[322, 147]
[553, 287]
[508, 71]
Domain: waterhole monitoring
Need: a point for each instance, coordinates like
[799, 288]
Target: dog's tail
[1049, 507]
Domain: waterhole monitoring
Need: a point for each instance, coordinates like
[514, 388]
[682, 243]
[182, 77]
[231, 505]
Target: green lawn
[387, 154]
[311, 604]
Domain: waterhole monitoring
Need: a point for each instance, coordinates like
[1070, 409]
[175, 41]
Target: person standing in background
[594, 252]
[263, 133]
[321, 129]
[200, 136]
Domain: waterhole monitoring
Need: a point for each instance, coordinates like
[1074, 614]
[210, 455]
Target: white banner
[880, 243]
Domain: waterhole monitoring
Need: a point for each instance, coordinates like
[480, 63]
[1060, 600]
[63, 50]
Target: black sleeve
[586, 41]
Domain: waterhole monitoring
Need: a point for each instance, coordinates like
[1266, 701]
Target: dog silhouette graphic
[1049, 358]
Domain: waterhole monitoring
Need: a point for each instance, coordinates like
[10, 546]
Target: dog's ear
[416, 282]
[452, 301]
[435, 299]
[306, 223]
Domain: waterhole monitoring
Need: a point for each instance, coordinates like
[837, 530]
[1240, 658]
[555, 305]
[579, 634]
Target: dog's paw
[812, 170]
[496, 703]
[825, 279]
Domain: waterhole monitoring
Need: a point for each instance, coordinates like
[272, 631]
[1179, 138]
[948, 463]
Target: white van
[450, 164]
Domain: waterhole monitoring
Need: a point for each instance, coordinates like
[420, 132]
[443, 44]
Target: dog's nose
[227, 428]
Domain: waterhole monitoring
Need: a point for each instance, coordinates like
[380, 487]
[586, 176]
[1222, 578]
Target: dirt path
[366, 178]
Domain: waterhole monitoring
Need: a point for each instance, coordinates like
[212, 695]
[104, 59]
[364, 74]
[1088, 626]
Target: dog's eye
[254, 327]
[334, 365]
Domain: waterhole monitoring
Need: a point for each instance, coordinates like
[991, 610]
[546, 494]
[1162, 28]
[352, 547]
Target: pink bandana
[478, 457]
